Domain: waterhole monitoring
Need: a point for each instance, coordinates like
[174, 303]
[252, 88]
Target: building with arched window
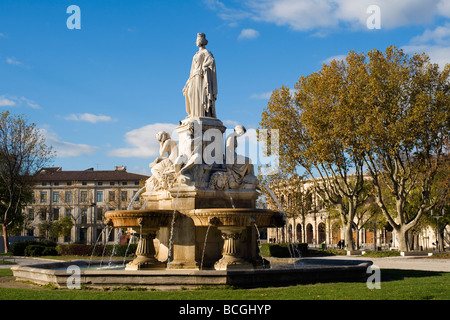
[310, 220]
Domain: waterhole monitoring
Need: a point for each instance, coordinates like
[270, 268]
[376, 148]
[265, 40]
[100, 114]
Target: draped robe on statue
[201, 87]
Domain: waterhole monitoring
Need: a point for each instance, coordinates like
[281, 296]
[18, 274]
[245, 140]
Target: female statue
[201, 87]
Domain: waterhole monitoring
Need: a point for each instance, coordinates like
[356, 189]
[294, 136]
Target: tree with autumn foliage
[380, 117]
[22, 153]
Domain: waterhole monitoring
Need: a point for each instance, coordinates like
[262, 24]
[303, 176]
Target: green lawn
[395, 285]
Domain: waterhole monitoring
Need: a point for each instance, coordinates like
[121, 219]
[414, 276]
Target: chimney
[120, 168]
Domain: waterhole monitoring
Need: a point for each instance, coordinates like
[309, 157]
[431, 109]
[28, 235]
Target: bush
[18, 248]
[50, 251]
[381, 254]
[284, 250]
[75, 249]
[37, 249]
[34, 250]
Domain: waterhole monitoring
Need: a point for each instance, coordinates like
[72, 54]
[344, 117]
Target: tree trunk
[5, 237]
[402, 240]
[357, 240]
[348, 236]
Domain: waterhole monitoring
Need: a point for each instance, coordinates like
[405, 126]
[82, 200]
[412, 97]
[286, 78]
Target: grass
[395, 285]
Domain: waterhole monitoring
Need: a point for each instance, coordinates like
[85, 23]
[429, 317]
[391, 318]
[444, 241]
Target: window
[31, 214]
[84, 216]
[112, 196]
[69, 183]
[136, 183]
[43, 214]
[43, 196]
[99, 196]
[99, 183]
[83, 196]
[123, 196]
[55, 196]
[68, 212]
[112, 183]
[68, 196]
[55, 214]
[124, 183]
[84, 183]
[99, 214]
[56, 184]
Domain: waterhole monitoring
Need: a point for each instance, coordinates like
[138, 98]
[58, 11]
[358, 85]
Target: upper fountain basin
[139, 218]
[242, 217]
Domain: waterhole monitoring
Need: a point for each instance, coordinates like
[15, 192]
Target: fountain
[199, 224]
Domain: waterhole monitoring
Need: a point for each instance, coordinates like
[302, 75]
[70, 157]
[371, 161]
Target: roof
[57, 174]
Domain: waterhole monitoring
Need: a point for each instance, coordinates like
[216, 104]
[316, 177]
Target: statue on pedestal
[200, 90]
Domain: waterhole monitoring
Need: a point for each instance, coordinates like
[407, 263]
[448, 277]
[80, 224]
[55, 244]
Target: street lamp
[437, 217]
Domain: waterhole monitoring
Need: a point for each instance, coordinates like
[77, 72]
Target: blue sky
[99, 94]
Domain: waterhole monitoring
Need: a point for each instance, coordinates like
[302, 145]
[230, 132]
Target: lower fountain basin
[312, 271]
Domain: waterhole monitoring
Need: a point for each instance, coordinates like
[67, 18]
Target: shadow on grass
[397, 274]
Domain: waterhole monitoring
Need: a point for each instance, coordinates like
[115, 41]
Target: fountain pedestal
[145, 253]
[231, 252]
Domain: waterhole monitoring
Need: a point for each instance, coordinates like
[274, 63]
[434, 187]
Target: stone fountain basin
[147, 219]
[239, 217]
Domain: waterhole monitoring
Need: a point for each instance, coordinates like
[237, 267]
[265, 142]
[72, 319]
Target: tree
[22, 153]
[386, 114]
[62, 227]
[406, 108]
[316, 133]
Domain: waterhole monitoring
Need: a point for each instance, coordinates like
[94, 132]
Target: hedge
[19, 248]
[33, 248]
[37, 250]
[284, 250]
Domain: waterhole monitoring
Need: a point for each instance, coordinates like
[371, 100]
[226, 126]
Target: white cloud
[305, 15]
[13, 61]
[5, 102]
[263, 96]
[248, 34]
[439, 36]
[231, 123]
[30, 103]
[66, 149]
[12, 101]
[89, 117]
[435, 43]
[337, 57]
[142, 141]
[444, 8]
[437, 54]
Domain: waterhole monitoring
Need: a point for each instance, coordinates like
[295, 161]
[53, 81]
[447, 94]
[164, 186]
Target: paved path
[23, 261]
[405, 263]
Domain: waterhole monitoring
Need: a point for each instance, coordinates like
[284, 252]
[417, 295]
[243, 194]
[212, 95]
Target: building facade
[84, 196]
[309, 220]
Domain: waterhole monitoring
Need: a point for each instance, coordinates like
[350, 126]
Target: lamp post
[437, 217]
